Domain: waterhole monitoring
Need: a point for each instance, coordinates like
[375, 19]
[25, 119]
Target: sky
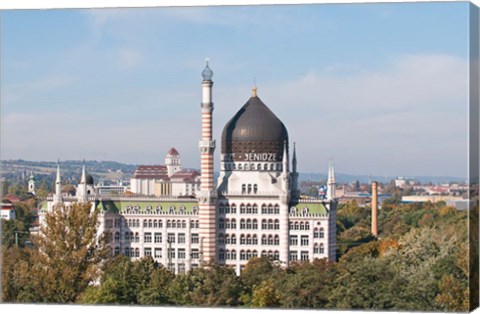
[382, 88]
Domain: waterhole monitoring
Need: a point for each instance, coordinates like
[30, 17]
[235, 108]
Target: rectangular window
[181, 238]
[293, 240]
[147, 251]
[195, 254]
[108, 223]
[158, 252]
[181, 268]
[304, 241]
[304, 255]
[171, 253]
[181, 253]
[293, 256]
[158, 237]
[147, 237]
[195, 238]
[171, 238]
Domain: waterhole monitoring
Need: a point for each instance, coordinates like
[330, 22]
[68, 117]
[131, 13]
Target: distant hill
[112, 170]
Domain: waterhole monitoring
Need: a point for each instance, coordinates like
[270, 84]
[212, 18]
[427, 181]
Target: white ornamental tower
[31, 183]
[82, 187]
[57, 197]
[331, 181]
[207, 196]
[172, 161]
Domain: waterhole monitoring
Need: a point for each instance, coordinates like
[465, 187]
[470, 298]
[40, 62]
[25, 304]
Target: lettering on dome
[250, 157]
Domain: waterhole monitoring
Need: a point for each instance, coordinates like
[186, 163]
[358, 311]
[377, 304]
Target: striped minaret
[207, 195]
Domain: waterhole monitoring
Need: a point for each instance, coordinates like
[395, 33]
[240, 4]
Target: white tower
[172, 161]
[331, 181]
[294, 174]
[82, 187]
[207, 196]
[57, 197]
[31, 184]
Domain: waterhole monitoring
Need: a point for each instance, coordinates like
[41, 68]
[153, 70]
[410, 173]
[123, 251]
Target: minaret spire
[207, 196]
[331, 181]
[82, 187]
[294, 159]
[57, 197]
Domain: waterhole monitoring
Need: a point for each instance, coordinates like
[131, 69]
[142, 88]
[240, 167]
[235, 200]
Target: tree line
[418, 263]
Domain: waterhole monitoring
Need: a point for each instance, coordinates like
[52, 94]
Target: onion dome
[207, 73]
[254, 129]
[89, 179]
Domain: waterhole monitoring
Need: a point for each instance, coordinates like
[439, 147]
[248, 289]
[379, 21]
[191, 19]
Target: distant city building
[402, 182]
[254, 209]
[166, 180]
[454, 201]
[7, 211]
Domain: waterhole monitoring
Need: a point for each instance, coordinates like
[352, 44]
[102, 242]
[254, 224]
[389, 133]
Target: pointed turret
[82, 187]
[331, 181]
[57, 197]
[294, 174]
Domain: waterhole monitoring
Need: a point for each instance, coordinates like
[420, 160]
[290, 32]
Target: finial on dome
[207, 73]
[254, 91]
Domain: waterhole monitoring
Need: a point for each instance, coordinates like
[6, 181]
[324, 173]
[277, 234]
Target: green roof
[142, 206]
[317, 208]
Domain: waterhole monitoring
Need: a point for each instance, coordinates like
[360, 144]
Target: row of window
[248, 239]
[154, 223]
[157, 237]
[245, 255]
[249, 224]
[149, 209]
[249, 209]
[157, 252]
[248, 166]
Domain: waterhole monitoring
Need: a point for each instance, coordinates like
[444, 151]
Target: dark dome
[254, 129]
[89, 179]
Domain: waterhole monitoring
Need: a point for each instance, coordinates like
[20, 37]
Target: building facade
[254, 209]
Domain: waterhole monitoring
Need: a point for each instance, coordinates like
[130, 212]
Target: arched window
[259, 166]
[155, 223]
[277, 224]
[243, 240]
[242, 224]
[244, 189]
[234, 240]
[276, 255]
[249, 240]
[179, 224]
[272, 166]
[243, 256]
[127, 236]
[234, 224]
[249, 189]
[137, 223]
[307, 225]
[255, 209]
[127, 252]
[255, 239]
[315, 233]
[302, 226]
[296, 226]
[227, 239]
[234, 254]
[234, 209]
[160, 224]
[117, 236]
[245, 166]
[242, 208]
[264, 209]
[249, 224]
[255, 189]
[137, 252]
[254, 224]
[221, 224]
[174, 224]
[264, 224]
[315, 248]
[227, 224]
[321, 234]
[321, 249]
[221, 255]
[264, 240]
[270, 224]
[270, 240]
[137, 237]
[270, 208]
[277, 209]
[184, 224]
[276, 240]
[249, 209]
[221, 239]
[252, 166]
[227, 255]
[249, 254]
[169, 224]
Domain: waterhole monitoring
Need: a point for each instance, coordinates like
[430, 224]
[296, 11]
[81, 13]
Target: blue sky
[382, 88]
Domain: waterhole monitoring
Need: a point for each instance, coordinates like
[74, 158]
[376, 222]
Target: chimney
[374, 208]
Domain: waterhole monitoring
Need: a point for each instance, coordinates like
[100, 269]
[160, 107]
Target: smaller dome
[89, 179]
[172, 151]
[207, 73]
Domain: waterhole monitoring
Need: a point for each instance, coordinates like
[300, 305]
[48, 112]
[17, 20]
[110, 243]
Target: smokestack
[374, 208]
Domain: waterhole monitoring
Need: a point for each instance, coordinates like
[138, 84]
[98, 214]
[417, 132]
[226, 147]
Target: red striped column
[207, 197]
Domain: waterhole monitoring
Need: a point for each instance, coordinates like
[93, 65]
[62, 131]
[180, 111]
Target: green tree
[69, 254]
[265, 295]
